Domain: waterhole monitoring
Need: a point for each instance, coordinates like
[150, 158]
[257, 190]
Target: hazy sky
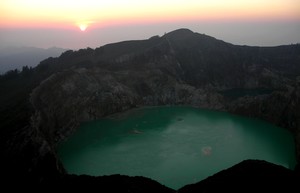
[91, 23]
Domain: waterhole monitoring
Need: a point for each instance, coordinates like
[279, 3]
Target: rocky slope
[179, 68]
[261, 177]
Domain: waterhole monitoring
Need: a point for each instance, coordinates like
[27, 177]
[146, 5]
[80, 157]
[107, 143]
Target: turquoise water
[173, 145]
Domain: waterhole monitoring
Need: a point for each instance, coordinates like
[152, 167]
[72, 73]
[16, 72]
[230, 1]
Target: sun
[82, 27]
[84, 24]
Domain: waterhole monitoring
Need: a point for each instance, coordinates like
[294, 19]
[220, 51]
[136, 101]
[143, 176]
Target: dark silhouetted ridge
[179, 33]
[242, 177]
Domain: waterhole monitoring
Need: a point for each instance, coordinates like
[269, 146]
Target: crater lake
[175, 146]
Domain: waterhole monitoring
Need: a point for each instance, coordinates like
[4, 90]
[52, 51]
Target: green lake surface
[175, 146]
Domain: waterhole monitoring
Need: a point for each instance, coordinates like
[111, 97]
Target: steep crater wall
[68, 98]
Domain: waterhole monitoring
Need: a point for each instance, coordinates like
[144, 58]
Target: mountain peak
[179, 32]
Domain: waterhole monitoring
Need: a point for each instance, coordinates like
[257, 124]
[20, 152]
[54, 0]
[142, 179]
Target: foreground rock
[247, 176]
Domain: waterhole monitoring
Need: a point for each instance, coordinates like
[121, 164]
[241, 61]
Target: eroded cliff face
[68, 98]
[280, 108]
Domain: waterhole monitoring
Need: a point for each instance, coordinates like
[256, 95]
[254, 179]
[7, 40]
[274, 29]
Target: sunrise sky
[91, 23]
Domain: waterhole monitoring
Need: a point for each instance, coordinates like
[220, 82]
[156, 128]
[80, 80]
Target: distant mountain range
[16, 57]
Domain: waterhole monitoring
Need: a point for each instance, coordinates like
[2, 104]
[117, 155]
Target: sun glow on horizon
[83, 27]
[36, 12]
[80, 23]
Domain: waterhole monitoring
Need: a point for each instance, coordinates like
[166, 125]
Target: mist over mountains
[12, 58]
